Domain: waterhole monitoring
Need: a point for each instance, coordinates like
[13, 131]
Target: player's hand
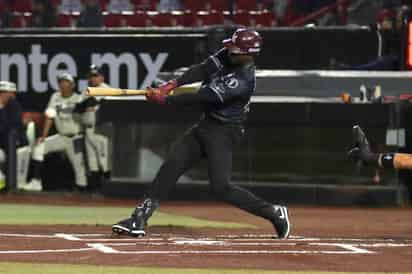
[40, 140]
[155, 96]
[166, 88]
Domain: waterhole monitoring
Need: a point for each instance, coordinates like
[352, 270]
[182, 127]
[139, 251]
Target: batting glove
[155, 96]
[166, 88]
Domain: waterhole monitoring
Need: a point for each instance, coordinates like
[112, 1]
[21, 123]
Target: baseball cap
[65, 76]
[94, 70]
[7, 86]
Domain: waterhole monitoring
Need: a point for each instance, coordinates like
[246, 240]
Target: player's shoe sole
[121, 230]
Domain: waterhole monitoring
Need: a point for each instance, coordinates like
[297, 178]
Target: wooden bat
[114, 91]
[127, 92]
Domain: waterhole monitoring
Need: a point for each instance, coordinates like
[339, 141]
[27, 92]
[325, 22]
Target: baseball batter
[69, 125]
[228, 82]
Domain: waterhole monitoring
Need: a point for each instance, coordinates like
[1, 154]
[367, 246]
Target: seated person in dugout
[11, 123]
[361, 153]
[72, 114]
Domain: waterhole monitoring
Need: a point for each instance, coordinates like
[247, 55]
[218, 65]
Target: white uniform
[97, 145]
[70, 127]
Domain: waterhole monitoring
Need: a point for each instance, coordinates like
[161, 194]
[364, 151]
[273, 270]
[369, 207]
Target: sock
[386, 160]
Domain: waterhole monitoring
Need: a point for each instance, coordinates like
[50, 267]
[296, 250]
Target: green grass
[21, 214]
[24, 268]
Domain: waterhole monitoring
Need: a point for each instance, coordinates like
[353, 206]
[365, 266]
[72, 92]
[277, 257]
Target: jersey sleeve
[228, 88]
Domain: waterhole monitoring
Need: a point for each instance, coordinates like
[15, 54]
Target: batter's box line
[348, 250]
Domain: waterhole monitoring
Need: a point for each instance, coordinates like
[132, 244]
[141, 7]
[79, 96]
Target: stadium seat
[22, 6]
[220, 5]
[194, 5]
[209, 18]
[20, 20]
[241, 18]
[114, 20]
[189, 18]
[65, 21]
[246, 5]
[2, 6]
[144, 5]
[55, 3]
[137, 19]
[103, 4]
[262, 19]
[161, 19]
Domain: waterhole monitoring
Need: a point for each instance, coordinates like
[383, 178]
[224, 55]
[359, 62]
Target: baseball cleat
[361, 152]
[281, 221]
[135, 225]
[129, 227]
[33, 185]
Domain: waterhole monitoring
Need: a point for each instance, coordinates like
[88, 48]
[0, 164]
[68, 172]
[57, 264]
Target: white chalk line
[158, 237]
[231, 240]
[45, 251]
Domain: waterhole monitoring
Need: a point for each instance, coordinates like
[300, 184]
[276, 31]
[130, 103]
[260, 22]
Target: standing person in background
[69, 6]
[5, 14]
[169, 5]
[119, 6]
[43, 15]
[10, 121]
[96, 146]
[96, 78]
[70, 127]
[91, 16]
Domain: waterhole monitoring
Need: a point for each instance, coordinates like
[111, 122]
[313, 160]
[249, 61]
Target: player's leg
[219, 146]
[73, 147]
[184, 154]
[97, 147]
[361, 153]
[51, 144]
[23, 162]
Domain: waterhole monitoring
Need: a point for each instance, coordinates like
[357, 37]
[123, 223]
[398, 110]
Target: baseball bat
[114, 91]
[92, 91]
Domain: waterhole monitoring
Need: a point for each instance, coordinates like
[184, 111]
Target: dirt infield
[329, 239]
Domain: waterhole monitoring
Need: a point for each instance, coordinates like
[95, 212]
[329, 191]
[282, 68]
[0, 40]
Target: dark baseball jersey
[11, 119]
[232, 84]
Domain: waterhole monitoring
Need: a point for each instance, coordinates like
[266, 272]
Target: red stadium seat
[65, 21]
[194, 5]
[114, 20]
[189, 18]
[103, 4]
[144, 5]
[241, 18]
[20, 20]
[55, 3]
[22, 6]
[2, 6]
[163, 19]
[262, 19]
[220, 5]
[246, 5]
[138, 19]
[209, 18]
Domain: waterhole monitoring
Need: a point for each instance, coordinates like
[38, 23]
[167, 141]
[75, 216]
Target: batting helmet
[244, 41]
